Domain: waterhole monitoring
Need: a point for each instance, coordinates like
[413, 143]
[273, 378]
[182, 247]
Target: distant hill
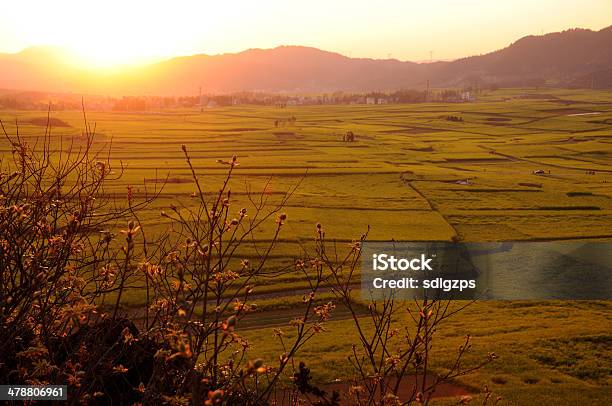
[285, 68]
[575, 57]
[558, 58]
[37, 68]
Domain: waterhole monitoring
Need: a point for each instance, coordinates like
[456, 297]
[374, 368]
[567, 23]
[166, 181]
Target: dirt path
[515, 158]
[270, 317]
[432, 207]
[408, 387]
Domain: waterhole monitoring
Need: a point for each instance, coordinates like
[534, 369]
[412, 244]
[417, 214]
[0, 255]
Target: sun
[118, 49]
[118, 33]
[107, 56]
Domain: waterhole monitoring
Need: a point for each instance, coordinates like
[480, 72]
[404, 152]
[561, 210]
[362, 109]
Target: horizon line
[161, 59]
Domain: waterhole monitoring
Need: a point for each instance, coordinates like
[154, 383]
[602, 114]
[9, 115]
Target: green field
[411, 174]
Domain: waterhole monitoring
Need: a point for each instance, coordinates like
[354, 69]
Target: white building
[467, 97]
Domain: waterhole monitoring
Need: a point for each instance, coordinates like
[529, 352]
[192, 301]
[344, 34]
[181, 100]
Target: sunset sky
[110, 32]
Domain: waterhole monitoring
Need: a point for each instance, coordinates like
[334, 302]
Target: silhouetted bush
[64, 276]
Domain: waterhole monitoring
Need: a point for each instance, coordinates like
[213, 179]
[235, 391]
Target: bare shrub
[66, 276]
[389, 350]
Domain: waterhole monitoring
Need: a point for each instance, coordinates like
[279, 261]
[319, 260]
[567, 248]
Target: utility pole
[200, 98]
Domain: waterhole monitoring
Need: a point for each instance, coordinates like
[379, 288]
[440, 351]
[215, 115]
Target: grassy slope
[549, 352]
[399, 177]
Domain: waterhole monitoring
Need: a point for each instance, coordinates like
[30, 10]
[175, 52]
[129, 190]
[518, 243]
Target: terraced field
[411, 174]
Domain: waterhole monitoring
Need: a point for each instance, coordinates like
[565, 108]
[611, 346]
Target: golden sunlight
[114, 33]
[111, 33]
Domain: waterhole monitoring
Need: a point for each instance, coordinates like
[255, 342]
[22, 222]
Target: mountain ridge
[563, 58]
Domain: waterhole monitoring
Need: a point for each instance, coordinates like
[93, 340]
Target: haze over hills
[576, 57]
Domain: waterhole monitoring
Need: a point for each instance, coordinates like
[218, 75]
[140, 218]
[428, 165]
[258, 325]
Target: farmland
[403, 174]
[411, 174]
